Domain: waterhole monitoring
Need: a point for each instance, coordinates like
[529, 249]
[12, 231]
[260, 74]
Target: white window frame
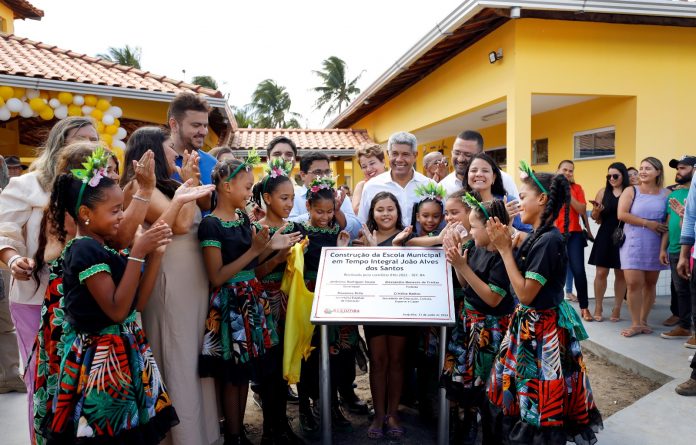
[594, 131]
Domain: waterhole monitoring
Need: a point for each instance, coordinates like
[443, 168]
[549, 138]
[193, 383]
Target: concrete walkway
[663, 416]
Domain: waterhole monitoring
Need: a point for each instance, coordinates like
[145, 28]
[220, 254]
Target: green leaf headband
[472, 202]
[323, 182]
[276, 167]
[94, 170]
[528, 172]
[431, 190]
[252, 159]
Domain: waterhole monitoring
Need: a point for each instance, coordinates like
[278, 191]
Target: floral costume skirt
[277, 299]
[109, 389]
[473, 345]
[539, 384]
[239, 330]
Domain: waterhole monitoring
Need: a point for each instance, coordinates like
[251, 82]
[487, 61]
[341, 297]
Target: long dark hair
[417, 206]
[267, 184]
[219, 175]
[371, 223]
[608, 189]
[142, 140]
[558, 196]
[497, 188]
[494, 208]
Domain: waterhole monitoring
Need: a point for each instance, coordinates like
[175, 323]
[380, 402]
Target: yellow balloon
[65, 98]
[74, 110]
[111, 129]
[97, 114]
[106, 138]
[103, 104]
[6, 92]
[100, 127]
[19, 92]
[117, 123]
[90, 100]
[46, 114]
[2, 101]
[37, 104]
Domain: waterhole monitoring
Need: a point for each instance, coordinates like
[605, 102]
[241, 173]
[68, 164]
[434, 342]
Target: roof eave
[468, 9]
[103, 90]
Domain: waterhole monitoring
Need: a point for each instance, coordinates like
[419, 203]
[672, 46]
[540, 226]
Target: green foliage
[205, 81]
[336, 91]
[129, 56]
[270, 106]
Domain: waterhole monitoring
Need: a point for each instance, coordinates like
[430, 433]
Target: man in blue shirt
[688, 388]
[188, 121]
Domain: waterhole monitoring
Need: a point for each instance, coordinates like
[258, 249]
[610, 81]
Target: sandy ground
[614, 388]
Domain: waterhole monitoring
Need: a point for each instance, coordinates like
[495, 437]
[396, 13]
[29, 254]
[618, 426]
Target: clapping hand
[280, 241]
[259, 239]
[401, 238]
[369, 238]
[190, 167]
[499, 234]
[145, 171]
[343, 239]
[457, 258]
[150, 240]
[187, 192]
[512, 207]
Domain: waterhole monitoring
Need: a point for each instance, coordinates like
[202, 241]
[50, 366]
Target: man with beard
[669, 253]
[466, 145]
[401, 179]
[188, 121]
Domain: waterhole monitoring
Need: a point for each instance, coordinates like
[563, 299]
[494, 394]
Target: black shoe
[339, 421]
[470, 428]
[292, 396]
[288, 437]
[354, 404]
[308, 422]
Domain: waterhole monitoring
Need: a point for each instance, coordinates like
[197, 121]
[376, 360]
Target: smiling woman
[371, 160]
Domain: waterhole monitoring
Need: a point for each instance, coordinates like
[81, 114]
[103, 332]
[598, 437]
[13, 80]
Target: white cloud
[243, 43]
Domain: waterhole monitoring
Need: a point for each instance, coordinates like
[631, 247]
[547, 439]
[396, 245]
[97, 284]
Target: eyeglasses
[613, 176]
[319, 172]
[442, 161]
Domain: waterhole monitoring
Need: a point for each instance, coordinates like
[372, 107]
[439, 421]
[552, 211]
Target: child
[322, 230]
[539, 389]
[385, 343]
[110, 388]
[240, 333]
[427, 214]
[475, 340]
[275, 194]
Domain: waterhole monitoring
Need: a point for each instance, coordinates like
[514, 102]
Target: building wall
[644, 73]
[6, 19]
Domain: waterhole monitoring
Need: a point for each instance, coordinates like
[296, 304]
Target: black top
[280, 269]
[489, 267]
[233, 238]
[609, 214]
[546, 262]
[85, 257]
[318, 238]
[388, 242]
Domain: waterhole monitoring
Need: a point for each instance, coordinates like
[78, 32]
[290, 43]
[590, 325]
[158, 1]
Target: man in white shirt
[313, 166]
[466, 145]
[401, 179]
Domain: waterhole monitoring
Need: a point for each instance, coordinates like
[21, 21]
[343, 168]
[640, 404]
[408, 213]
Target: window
[540, 151]
[499, 155]
[599, 143]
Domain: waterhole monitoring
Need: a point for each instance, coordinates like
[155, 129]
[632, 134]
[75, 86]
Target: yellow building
[40, 83]
[592, 81]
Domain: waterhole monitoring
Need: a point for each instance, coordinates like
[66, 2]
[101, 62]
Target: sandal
[586, 315]
[598, 318]
[375, 433]
[632, 331]
[615, 314]
[393, 432]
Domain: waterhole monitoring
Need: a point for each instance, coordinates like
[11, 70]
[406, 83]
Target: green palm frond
[129, 56]
[336, 91]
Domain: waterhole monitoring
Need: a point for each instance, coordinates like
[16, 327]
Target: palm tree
[271, 103]
[124, 56]
[336, 91]
[205, 81]
[244, 117]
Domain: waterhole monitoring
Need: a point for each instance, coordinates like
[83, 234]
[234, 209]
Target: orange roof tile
[22, 9]
[27, 58]
[323, 139]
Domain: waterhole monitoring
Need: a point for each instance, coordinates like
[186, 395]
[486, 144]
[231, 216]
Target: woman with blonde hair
[372, 163]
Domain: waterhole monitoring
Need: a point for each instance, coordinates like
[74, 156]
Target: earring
[87, 222]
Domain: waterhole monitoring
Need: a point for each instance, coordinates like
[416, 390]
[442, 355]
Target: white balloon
[121, 133]
[115, 111]
[26, 110]
[78, 100]
[54, 103]
[32, 94]
[14, 105]
[119, 144]
[107, 119]
[61, 112]
[5, 114]
[87, 110]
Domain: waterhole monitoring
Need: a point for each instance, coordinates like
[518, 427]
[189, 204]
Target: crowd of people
[148, 298]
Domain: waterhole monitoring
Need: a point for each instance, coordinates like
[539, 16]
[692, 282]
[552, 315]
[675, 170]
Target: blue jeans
[576, 266]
